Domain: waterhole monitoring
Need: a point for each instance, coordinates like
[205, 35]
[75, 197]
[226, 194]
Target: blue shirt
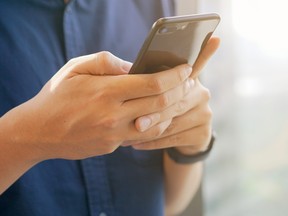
[37, 37]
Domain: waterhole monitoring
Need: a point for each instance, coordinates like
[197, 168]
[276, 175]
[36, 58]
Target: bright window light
[248, 87]
[265, 23]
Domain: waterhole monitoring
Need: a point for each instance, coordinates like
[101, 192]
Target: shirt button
[102, 214]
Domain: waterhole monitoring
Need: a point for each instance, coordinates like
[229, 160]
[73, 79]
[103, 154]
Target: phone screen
[174, 41]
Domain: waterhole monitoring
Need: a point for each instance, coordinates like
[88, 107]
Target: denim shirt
[37, 37]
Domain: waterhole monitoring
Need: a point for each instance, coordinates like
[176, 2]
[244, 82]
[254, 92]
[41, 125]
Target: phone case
[173, 41]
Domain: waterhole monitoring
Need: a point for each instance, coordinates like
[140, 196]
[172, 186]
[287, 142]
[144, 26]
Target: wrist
[189, 156]
[193, 149]
[17, 137]
[189, 150]
[17, 155]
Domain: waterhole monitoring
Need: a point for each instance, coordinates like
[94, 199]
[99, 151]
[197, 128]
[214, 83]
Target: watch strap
[180, 158]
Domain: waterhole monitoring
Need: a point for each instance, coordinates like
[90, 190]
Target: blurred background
[247, 172]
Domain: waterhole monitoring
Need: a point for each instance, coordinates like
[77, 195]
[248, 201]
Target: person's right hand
[89, 107]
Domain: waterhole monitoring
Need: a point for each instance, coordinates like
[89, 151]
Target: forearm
[181, 184]
[16, 155]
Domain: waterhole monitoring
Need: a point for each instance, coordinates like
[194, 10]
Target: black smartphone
[173, 41]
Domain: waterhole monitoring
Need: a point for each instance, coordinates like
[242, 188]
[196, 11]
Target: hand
[190, 127]
[89, 107]
[189, 119]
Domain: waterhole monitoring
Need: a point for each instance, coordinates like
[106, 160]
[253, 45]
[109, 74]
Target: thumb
[205, 55]
[102, 63]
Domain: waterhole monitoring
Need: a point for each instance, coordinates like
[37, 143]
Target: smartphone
[173, 41]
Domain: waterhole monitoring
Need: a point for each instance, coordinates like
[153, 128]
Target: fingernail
[144, 123]
[126, 66]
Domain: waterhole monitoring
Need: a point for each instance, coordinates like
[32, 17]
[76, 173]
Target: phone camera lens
[163, 30]
[183, 27]
[167, 29]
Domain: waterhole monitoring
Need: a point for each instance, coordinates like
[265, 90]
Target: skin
[182, 181]
[189, 131]
[91, 107]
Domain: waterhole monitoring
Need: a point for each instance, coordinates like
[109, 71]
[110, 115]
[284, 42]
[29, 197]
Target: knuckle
[72, 61]
[181, 74]
[207, 114]
[163, 100]
[156, 85]
[111, 122]
[206, 94]
[180, 107]
[103, 57]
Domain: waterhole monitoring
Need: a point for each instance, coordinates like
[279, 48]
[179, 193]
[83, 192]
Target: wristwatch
[180, 158]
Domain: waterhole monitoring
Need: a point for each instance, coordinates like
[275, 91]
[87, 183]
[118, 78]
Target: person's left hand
[189, 120]
[190, 128]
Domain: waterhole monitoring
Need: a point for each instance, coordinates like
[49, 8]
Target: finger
[198, 95]
[201, 115]
[154, 105]
[150, 134]
[102, 63]
[197, 98]
[163, 107]
[143, 85]
[196, 138]
[210, 48]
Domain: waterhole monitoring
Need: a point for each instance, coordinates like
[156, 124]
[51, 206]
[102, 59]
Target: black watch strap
[180, 158]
